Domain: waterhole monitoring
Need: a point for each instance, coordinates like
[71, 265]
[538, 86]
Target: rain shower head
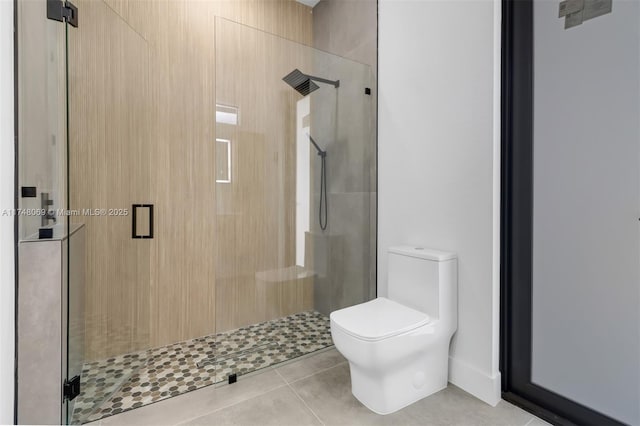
[304, 83]
[301, 82]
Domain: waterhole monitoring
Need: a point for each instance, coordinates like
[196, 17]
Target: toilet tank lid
[423, 253]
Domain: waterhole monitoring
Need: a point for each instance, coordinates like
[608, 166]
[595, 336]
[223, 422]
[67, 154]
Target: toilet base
[388, 392]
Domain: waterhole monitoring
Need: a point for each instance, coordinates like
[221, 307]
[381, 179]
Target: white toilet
[398, 347]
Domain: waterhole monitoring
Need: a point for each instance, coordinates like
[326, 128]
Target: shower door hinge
[62, 11]
[71, 388]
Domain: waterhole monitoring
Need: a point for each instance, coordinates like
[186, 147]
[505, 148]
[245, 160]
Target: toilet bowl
[398, 347]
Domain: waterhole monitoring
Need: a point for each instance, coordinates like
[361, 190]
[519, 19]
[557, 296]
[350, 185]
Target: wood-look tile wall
[142, 130]
[259, 204]
[110, 123]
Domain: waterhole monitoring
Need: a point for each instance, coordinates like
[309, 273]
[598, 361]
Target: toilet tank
[424, 279]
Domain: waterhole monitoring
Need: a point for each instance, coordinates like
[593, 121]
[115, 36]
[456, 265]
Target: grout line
[126, 21]
[232, 404]
[300, 398]
[317, 372]
[302, 357]
[530, 421]
[285, 383]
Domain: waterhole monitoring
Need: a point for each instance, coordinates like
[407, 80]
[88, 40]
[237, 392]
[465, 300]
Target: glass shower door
[295, 162]
[110, 198]
[42, 166]
[139, 174]
[71, 201]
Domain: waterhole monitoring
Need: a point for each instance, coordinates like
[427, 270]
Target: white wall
[7, 286]
[439, 65]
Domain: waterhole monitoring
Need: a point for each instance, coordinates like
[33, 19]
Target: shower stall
[225, 211]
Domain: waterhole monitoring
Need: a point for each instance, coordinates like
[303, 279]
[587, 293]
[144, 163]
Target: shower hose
[323, 192]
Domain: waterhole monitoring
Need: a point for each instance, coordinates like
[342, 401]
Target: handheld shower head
[321, 153]
[323, 210]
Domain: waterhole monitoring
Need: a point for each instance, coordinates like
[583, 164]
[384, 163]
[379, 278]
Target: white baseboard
[479, 384]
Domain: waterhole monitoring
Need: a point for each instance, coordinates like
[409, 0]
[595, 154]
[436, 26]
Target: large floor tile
[538, 422]
[278, 407]
[328, 394]
[198, 403]
[310, 365]
[453, 406]
[318, 390]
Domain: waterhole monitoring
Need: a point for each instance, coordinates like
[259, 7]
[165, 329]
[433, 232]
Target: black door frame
[517, 227]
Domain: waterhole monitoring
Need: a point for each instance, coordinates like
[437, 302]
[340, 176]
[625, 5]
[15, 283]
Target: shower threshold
[131, 381]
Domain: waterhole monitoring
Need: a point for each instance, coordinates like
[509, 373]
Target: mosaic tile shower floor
[130, 381]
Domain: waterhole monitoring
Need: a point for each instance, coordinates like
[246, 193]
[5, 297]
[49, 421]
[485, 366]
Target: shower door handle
[135, 232]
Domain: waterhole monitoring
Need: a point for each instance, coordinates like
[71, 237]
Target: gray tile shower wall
[347, 28]
[345, 121]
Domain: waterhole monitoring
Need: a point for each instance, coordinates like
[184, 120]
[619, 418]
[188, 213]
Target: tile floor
[314, 390]
[131, 381]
